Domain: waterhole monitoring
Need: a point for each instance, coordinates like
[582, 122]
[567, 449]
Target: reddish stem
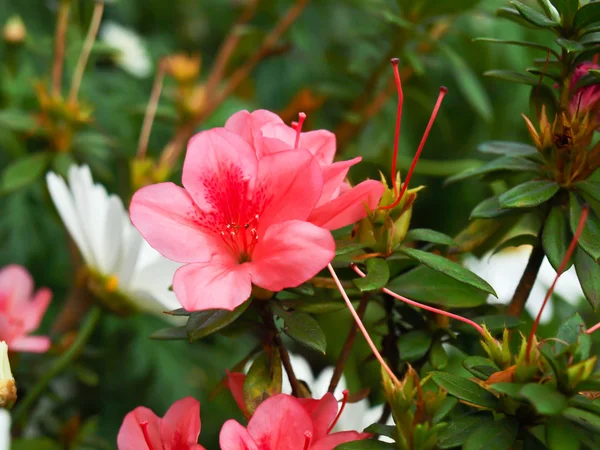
[594, 328]
[337, 417]
[422, 306]
[398, 81]
[561, 269]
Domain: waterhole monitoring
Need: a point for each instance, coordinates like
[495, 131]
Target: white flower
[133, 56]
[110, 245]
[8, 388]
[504, 270]
[4, 429]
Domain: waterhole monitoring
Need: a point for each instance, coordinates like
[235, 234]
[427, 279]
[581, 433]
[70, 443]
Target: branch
[517, 304]
[151, 111]
[62, 22]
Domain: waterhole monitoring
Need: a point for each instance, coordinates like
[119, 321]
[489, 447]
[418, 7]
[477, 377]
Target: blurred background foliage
[333, 64]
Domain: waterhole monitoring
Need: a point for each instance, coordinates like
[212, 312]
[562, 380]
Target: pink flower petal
[131, 436]
[289, 254]
[292, 183]
[320, 143]
[234, 436]
[235, 383]
[167, 217]
[349, 207]
[322, 412]
[333, 440]
[180, 426]
[16, 285]
[280, 422]
[216, 155]
[248, 126]
[217, 284]
[32, 344]
[32, 313]
[333, 179]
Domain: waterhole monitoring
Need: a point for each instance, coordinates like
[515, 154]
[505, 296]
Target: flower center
[307, 438]
[144, 427]
[241, 239]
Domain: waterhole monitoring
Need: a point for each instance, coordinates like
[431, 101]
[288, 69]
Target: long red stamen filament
[436, 108]
[423, 306]
[362, 327]
[595, 59]
[394, 62]
[144, 427]
[563, 264]
[307, 439]
[344, 401]
[594, 328]
[298, 128]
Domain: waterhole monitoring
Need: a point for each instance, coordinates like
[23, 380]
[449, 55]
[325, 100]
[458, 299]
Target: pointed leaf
[561, 434]
[556, 237]
[512, 76]
[585, 419]
[264, 379]
[569, 332]
[498, 435]
[302, 327]
[569, 46]
[369, 444]
[460, 428]
[534, 45]
[170, 334]
[529, 194]
[479, 366]
[413, 345]
[466, 390]
[588, 272]
[427, 235]
[567, 10]
[511, 163]
[507, 148]
[203, 323]
[24, 172]
[489, 209]
[449, 268]
[513, 15]
[591, 188]
[587, 15]
[590, 236]
[545, 399]
[534, 17]
[378, 274]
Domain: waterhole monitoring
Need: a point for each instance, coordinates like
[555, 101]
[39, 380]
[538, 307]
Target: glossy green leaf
[497, 435]
[529, 194]
[556, 237]
[512, 76]
[382, 430]
[369, 444]
[479, 366]
[588, 272]
[313, 305]
[343, 248]
[567, 10]
[585, 419]
[561, 434]
[545, 399]
[550, 10]
[302, 327]
[427, 235]
[513, 15]
[17, 120]
[35, 444]
[438, 358]
[534, 17]
[171, 334]
[507, 148]
[460, 428]
[510, 389]
[378, 274]
[413, 345]
[569, 331]
[590, 236]
[264, 379]
[24, 172]
[449, 268]
[534, 45]
[569, 46]
[428, 286]
[465, 389]
[510, 163]
[587, 15]
[590, 187]
[203, 323]
[489, 209]
[525, 230]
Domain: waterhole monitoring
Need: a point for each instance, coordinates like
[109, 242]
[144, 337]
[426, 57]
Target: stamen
[563, 264]
[594, 328]
[362, 327]
[395, 62]
[436, 108]
[144, 427]
[298, 128]
[344, 401]
[307, 438]
[595, 59]
[422, 306]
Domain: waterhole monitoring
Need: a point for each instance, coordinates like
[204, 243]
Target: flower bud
[185, 69]
[8, 388]
[14, 31]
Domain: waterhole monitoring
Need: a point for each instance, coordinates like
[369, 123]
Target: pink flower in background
[237, 221]
[177, 430]
[283, 422]
[21, 311]
[339, 204]
[587, 97]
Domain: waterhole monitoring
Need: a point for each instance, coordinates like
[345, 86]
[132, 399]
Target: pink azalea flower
[238, 220]
[21, 311]
[586, 98]
[283, 422]
[177, 430]
[338, 205]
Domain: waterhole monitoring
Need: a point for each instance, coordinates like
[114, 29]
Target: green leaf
[427, 235]
[479, 366]
[313, 305]
[534, 17]
[588, 272]
[498, 322]
[449, 268]
[534, 45]
[343, 248]
[590, 236]
[17, 120]
[569, 332]
[587, 15]
[507, 148]
[466, 390]
[510, 389]
[170, 334]
[498, 435]
[448, 405]
[556, 237]
[550, 10]
[264, 379]
[529, 194]
[378, 274]
[413, 345]
[511, 163]
[489, 209]
[428, 286]
[525, 230]
[381, 430]
[469, 84]
[586, 419]
[203, 323]
[512, 76]
[513, 15]
[567, 10]
[438, 358]
[369, 444]
[569, 46]
[561, 434]
[591, 188]
[24, 172]
[302, 327]
[460, 428]
[35, 444]
[546, 400]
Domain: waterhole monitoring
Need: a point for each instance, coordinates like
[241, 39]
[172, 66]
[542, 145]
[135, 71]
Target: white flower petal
[132, 242]
[133, 56]
[4, 429]
[111, 248]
